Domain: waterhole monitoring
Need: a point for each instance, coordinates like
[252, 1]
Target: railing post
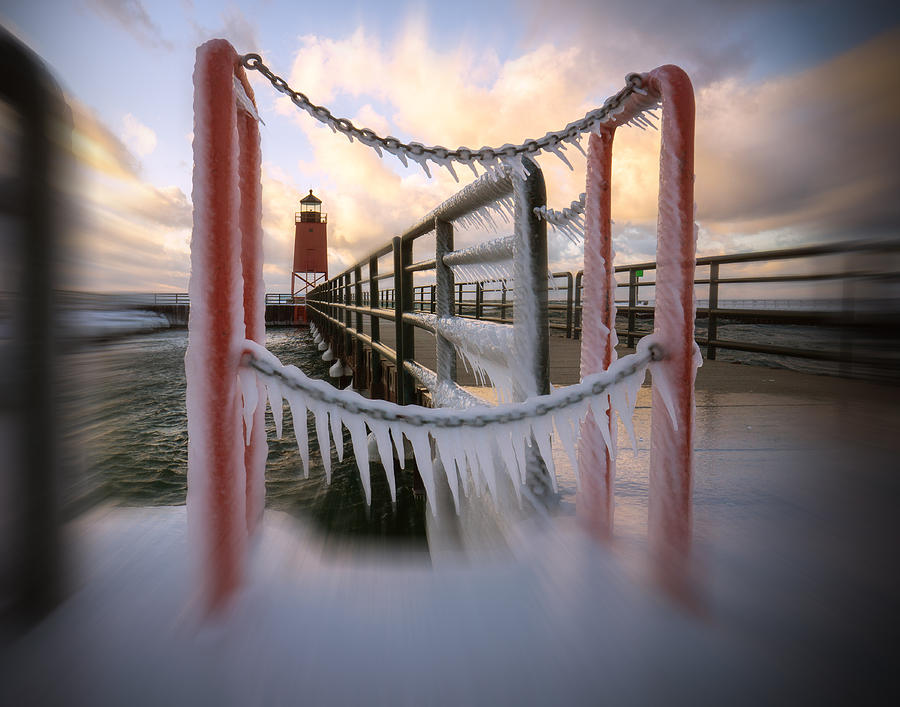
[443, 293]
[530, 330]
[569, 283]
[459, 299]
[358, 321]
[579, 276]
[225, 181]
[479, 300]
[672, 436]
[404, 333]
[712, 318]
[597, 463]
[632, 303]
[376, 387]
[348, 318]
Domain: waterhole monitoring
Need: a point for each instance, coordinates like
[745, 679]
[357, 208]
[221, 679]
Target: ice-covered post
[225, 291]
[596, 462]
[671, 440]
[530, 314]
[671, 455]
[249, 170]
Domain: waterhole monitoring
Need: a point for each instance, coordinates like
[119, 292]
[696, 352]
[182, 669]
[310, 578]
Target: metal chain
[418, 416]
[488, 157]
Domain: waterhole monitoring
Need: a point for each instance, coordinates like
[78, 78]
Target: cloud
[795, 158]
[233, 26]
[139, 138]
[815, 152]
[128, 233]
[133, 17]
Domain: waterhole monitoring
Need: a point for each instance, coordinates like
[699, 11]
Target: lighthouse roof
[310, 199]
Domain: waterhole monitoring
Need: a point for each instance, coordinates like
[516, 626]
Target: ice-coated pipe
[671, 448]
[596, 463]
[249, 163]
[216, 489]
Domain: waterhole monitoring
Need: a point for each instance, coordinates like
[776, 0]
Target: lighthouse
[310, 248]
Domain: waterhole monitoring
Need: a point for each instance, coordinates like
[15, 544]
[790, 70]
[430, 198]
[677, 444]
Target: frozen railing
[223, 500]
[513, 357]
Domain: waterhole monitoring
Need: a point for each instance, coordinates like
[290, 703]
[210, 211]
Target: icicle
[383, 441]
[508, 456]
[321, 417]
[250, 395]
[518, 433]
[455, 440]
[567, 436]
[600, 408]
[619, 402]
[483, 450]
[418, 437]
[542, 431]
[298, 415]
[448, 462]
[420, 159]
[397, 436]
[337, 432]
[558, 151]
[357, 428]
[276, 405]
[576, 141]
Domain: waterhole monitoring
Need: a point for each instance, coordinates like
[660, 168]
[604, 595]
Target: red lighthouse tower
[310, 247]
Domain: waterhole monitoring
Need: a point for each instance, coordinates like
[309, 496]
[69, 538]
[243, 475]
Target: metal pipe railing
[437, 298]
[839, 313]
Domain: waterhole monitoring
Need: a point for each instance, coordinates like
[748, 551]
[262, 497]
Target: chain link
[551, 142]
[418, 416]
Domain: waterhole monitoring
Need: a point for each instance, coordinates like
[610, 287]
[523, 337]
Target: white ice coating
[487, 216]
[484, 272]
[569, 221]
[472, 457]
[484, 347]
[243, 100]
[490, 261]
[497, 249]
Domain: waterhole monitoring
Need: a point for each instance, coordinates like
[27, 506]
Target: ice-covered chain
[487, 157]
[570, 220]
[418, 416]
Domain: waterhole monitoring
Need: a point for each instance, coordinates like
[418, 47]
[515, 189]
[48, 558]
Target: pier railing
[354, 300]
[851, 281]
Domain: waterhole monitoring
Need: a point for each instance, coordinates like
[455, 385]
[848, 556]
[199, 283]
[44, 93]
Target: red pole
[216, 498]
[671, 450]
[597, 467]
[254, 294]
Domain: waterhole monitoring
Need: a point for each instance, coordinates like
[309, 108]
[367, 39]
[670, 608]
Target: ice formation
[496, 436]
[569, 221]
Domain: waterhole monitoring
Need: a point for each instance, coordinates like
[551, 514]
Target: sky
[798, 104]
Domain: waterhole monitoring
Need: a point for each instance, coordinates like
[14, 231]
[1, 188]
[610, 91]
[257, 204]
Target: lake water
[127, 425]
